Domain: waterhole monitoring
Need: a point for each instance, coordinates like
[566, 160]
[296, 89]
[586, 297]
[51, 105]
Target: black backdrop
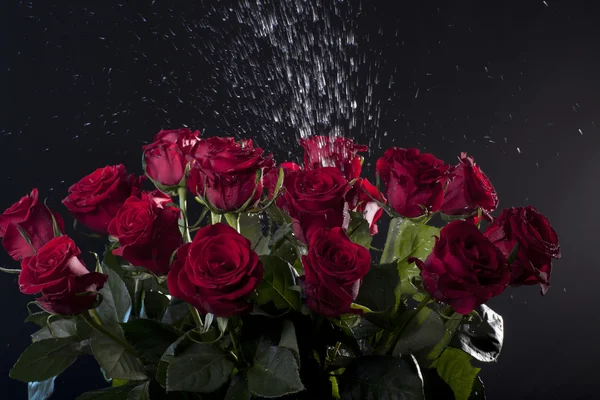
[515, 84]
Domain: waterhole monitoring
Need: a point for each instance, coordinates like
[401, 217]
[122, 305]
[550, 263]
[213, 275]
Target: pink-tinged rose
[224, 172]
[58, 273]
[465, 269]
[315, 199]
[95, 200]
[468, 189]
[364, 198]
[217, 272]
[537, 240]
[333, 268]
[414, 182]
[329, 151]
[148, 231]
[34, 219]
[166, 158]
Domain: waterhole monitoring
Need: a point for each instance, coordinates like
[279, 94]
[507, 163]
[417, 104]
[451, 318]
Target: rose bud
[468, 189]
[465, 269]
[224, 173]
[315, 199]
[35, 221]
[148, 231]
[330, 151]
[216, 272]
[363, 198]
[537, 245]
[57, 272]
[166, 159]
[95, 200]
[414, 182]
[333, 268]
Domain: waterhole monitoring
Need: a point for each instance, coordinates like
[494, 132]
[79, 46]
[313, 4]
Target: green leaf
[176, 311]
[275, 373]
[359, 231]
[141, 392]
[154, 305]
[238, 389]
[112, 393]
[481, 338]
[200, 368]
[57, 328]
[288, 338]
[454, 367]
[377, 288]
[356, 326]
[478, 391]
[112, 357]
[408, 239]
[409, 275]
[421, 335]
[38, 318]
[116, 303]
[381, 377]
[45, 359]
[278, 284]
[251, 228]
[151, 338]
[40, 390]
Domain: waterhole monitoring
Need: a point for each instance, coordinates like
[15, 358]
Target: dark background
[88, 83]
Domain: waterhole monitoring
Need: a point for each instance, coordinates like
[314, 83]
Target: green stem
[183, 221]
[215, 218]
[196, 316]
[391, 342]
[92, 321]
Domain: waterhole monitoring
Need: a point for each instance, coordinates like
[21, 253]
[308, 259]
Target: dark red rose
[148, 231]
[333, 270]
[538, 244]
[315, 199]
[414, 182]
[96, 198]
[224, 172]
[165, 159]
[468, 189]
[465, 269]
[217, 272]
[330, 151]
[363, 198]
[57, 272]
[32, 216]
[272, 175]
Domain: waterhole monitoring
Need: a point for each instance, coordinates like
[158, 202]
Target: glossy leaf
[40, 390]
[278, 284]
[288, 338]
[238, 389]
[112, 357]
[116, 301]
[381, 377]
[56, 329]
[176, 311]
[377, 288]
[421, 335]
[44, 360]
[200, 368]
[481, 338]
[39, 318]
[151, 338]
[478, 391]
[251, 228]
[408, 239]
[454, 367]
[358, 230]
[275, 373]
[140, 392]
[154, 305]
[112, 393]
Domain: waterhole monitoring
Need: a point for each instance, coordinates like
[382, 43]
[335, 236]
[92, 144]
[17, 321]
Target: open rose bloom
[269, 285]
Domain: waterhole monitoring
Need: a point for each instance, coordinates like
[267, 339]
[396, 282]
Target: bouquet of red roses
[276, 290]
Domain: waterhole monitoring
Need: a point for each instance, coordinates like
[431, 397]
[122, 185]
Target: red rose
[216, 272]
[165, 159]
[96, 198]
[538, 244]
[33, 218]
[148, 231]
[464, 269]
[57, 272]
[315, 199]
[413, 181]
[468, 189]
[361, 198]
[224, 172]
[329, 151]
[333, 270]
[272, 175]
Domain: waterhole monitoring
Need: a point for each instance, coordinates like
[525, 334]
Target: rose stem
[91, 319]
[196, 316]
[183, 222]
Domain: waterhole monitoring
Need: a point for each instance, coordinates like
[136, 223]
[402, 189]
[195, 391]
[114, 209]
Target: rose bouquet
[268, 284]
